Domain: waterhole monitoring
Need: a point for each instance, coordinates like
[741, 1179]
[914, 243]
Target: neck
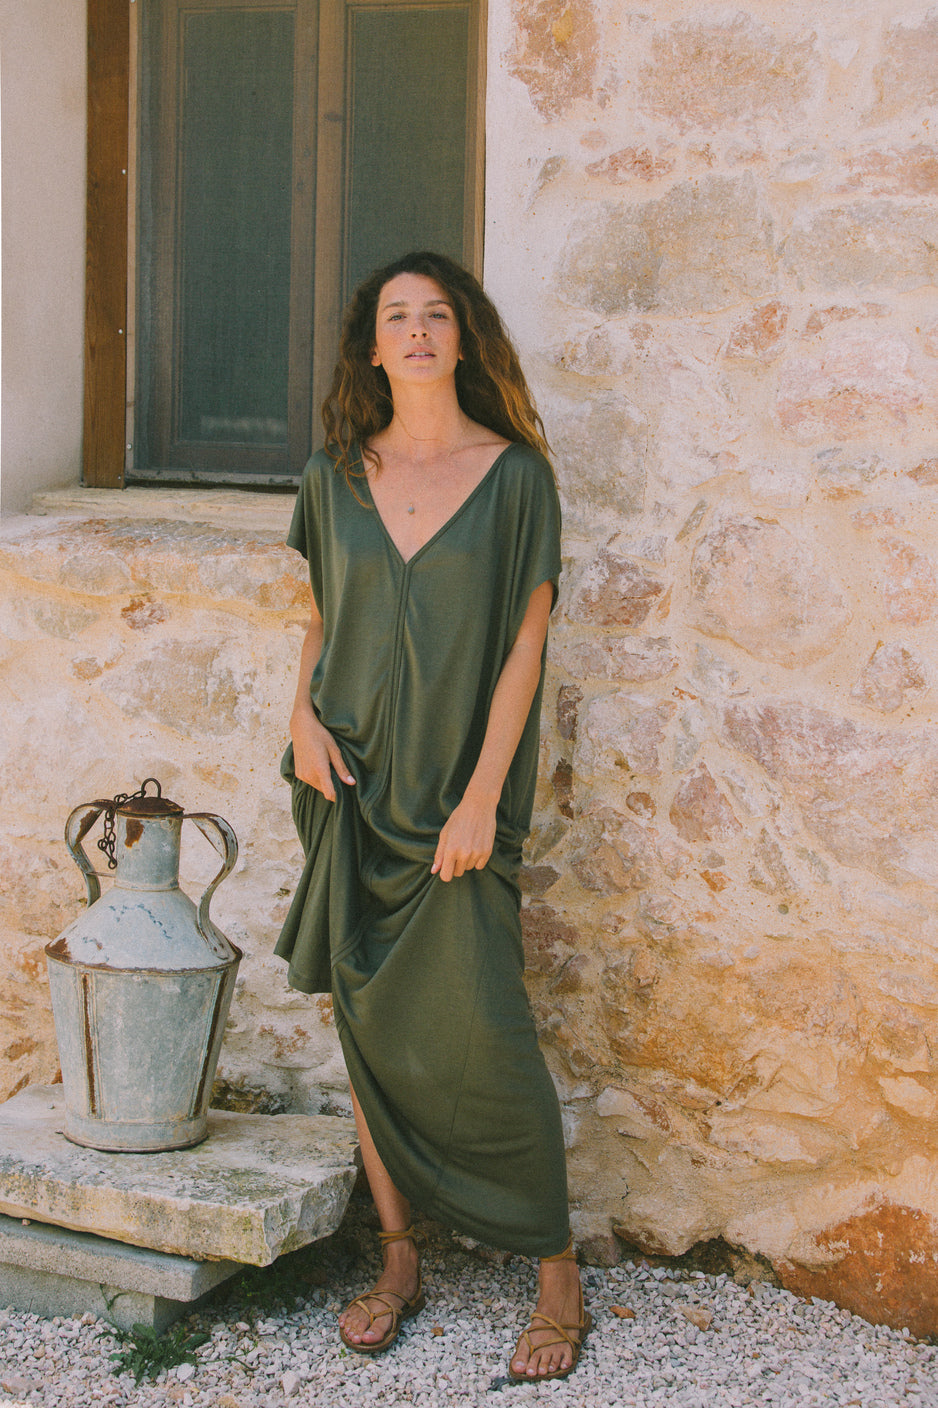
[427, 424]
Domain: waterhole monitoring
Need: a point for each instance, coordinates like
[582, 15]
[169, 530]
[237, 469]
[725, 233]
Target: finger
[319, 782]
[321, 779]
[340, 765]
[442, 847]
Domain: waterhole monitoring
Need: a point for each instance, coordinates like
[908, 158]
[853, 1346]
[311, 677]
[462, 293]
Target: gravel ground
[684, 1339]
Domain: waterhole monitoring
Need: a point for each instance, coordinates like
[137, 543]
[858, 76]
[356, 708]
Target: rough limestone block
[50, 1271]
[654, 257]
[767, 590]
[709, 72]
[259, 1185]
[129, 556]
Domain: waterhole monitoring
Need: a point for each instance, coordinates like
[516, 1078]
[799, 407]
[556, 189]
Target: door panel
[406, 133]
[224, 374]
[232, 281]
[287, 148]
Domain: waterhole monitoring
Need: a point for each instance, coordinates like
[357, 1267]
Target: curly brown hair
[490, 384]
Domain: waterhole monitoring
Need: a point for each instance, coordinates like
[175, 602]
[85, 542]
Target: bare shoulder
[482, 449]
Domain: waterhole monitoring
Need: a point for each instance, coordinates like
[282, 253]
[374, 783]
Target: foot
[538, 1355]
[400, 1281]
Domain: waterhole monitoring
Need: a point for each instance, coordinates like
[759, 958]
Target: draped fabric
[426, 976]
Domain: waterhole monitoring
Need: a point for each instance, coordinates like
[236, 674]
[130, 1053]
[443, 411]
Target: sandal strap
[565, 1330]
[386, 1238]
[382, 1296]
[568, 1254]
[549, 1324]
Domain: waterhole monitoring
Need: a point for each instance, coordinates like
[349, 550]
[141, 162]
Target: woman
[431, 526]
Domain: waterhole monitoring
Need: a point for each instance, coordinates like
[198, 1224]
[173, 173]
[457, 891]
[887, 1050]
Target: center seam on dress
[396, 657]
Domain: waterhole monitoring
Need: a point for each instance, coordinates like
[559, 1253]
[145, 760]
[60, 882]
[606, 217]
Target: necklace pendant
[410, 508]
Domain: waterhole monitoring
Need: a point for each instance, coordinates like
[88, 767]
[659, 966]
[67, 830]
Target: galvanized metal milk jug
[141, 982]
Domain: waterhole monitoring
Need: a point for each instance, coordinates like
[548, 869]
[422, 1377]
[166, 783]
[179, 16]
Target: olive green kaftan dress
[426, 976]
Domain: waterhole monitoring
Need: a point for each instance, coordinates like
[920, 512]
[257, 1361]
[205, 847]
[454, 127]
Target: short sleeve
[537, 557]
[305, 533]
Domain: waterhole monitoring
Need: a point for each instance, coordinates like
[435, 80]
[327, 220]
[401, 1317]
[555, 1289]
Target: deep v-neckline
[457, 512]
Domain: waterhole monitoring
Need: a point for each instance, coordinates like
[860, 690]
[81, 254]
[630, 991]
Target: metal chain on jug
[108, 840]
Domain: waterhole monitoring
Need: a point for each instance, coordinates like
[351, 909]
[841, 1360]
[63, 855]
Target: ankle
[558, 1278]
[401, 1257]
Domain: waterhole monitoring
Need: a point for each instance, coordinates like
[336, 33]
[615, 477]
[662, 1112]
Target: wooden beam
[106, 243]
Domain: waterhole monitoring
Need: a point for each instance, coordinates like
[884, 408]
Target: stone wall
[715, 232]
[149, 645]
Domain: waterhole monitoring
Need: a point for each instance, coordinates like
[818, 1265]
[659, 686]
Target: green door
[287, 147]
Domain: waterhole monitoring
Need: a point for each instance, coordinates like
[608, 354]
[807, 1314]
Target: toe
[536, 1364]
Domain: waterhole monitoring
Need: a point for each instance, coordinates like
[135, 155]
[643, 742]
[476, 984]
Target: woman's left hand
[466, 840]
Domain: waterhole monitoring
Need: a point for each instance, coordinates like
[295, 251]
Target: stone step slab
[258, 1186]
[51, 1271]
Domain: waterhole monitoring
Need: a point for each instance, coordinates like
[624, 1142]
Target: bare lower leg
[401, 1272]
[559, 1299]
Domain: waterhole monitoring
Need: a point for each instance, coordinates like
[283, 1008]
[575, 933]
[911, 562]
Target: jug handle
[216, 830]
[79, 823]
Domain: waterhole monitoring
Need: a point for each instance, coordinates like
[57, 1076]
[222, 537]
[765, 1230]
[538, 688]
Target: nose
[419, 328]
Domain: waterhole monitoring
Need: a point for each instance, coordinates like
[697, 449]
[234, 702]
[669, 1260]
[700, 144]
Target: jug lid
[139, 804]
[149, 806]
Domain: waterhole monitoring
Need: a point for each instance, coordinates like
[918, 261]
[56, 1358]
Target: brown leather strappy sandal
[564, 1333]
[398, 1313]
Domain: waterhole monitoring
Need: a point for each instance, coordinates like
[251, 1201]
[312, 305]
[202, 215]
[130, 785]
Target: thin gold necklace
[411, 508]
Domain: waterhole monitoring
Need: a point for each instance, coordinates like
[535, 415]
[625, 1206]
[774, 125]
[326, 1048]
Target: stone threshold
[234, 508]
[220, 546]
[159, 1230]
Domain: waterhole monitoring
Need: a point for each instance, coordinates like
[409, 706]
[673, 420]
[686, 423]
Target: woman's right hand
[316, 754]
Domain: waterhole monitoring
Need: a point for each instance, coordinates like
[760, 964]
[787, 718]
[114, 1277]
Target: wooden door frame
[170, 451]
[106, 244]
[107, 237]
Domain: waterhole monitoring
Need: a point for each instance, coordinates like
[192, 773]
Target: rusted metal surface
[141, 982]
[131, 804]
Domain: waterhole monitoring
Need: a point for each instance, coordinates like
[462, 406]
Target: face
[416, 332]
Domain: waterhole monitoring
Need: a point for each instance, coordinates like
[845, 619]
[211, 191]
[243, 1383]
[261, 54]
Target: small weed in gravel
[146, 1354]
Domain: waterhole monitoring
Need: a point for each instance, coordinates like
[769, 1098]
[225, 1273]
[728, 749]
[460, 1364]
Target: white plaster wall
[42, 140]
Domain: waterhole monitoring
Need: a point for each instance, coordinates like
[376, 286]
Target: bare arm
[315, 751]
[468, 836]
